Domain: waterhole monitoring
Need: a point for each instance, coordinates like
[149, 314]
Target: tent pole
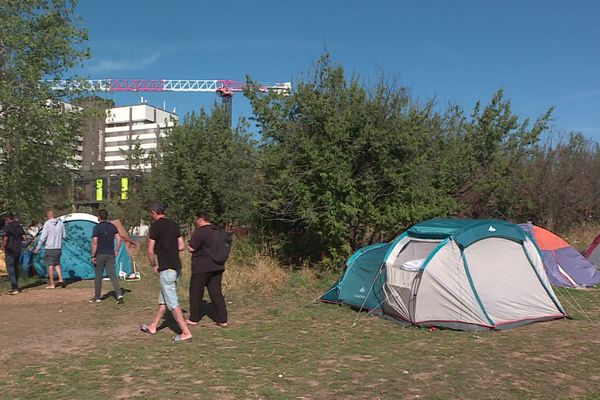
[368, 293]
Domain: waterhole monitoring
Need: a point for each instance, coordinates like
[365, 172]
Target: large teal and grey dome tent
[75, 258]
[459, 274]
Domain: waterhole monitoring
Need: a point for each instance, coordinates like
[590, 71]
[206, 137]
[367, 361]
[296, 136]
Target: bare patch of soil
[53, 321]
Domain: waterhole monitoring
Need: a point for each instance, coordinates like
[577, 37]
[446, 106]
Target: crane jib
[220, 86]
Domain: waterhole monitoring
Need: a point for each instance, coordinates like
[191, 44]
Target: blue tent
[75, 258]
[361, 284]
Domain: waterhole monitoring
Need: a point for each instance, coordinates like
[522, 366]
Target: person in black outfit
[104, 252]
[205, 272]
[12, 243]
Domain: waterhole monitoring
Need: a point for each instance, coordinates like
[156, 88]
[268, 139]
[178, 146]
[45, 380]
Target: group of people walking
[164, 244]
[165, 241]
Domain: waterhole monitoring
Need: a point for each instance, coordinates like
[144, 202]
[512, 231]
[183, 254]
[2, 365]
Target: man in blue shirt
[104, 236]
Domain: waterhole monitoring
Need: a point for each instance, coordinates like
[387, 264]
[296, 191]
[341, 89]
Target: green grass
[284, 346]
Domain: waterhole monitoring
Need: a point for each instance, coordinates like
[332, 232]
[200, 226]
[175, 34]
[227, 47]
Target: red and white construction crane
[225, 88]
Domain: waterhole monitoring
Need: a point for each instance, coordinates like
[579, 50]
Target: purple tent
[565, 266]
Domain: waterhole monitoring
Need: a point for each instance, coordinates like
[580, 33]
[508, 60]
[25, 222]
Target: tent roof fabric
[466, 231]
[361, 282]
[565, 266]
[547, 240]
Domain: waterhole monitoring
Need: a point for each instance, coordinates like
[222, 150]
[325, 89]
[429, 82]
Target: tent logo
[360, 296]
[492, 229]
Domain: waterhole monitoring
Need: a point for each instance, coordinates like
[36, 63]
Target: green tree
[38, 40]
[343, 165]
[491, 149]
[129, 211]
[136, 158]
[204, 164]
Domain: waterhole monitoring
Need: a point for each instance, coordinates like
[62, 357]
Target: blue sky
[543, 53]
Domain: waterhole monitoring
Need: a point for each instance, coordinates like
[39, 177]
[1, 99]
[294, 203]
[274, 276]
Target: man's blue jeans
[12, 265]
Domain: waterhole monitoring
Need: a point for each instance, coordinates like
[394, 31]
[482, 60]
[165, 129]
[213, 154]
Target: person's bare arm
[94, 248]
[180, 243]
[42, 240]
[118, 245]
[193, 241]
[151, 256]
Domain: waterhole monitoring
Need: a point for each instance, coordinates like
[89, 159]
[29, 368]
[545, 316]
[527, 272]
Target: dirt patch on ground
[50, 322]
[53, 321]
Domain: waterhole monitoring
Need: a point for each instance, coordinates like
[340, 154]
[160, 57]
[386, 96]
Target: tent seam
[466, 266]
[555, 301]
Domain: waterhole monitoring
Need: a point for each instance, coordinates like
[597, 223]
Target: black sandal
[144, 328]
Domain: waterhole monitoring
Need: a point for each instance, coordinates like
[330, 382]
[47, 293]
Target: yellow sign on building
[99, 189]
[124, 188]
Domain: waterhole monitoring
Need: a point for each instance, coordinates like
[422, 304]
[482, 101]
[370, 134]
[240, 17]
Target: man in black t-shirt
[205, 272]
[104, 252]
[164, 243]
[11, 243]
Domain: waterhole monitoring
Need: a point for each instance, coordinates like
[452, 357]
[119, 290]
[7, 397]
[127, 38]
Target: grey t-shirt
[53, 234]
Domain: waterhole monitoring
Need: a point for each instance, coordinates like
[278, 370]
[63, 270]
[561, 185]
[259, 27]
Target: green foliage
[343, 165]
[136, 157]
[487, 153]
[38, 40]
[204, 164]
[129, 211]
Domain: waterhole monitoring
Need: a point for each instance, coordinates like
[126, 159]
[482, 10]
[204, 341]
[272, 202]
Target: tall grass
[582, 235]
[259, 273]
[256, 268]
[248, 268]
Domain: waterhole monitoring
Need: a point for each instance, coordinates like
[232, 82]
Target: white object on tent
[78, 217]
[413, 265]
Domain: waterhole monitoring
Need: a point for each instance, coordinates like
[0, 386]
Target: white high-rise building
[129, 129]
[115, 149]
